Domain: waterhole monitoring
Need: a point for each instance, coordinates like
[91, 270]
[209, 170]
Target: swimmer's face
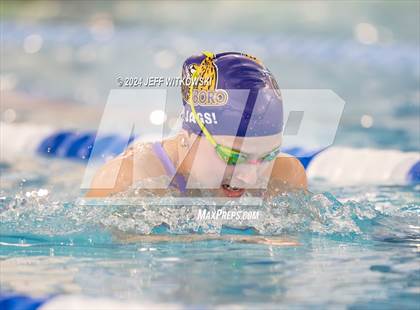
[209, 171]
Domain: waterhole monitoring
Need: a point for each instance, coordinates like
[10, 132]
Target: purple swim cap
[234, 95]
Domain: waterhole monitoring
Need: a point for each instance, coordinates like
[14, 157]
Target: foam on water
[38, 212]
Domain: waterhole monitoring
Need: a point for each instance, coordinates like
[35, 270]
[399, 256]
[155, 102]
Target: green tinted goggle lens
[233, 157]
[271, 156]
[230, 156]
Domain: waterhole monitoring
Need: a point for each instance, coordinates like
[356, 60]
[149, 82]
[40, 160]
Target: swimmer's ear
[184, 141]
[188, 139]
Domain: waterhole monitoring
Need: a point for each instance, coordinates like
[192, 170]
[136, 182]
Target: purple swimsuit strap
[169, 166]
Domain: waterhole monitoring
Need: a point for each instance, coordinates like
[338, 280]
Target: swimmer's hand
[272, 240]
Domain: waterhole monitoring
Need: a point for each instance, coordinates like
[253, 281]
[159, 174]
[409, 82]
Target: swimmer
[229, 142]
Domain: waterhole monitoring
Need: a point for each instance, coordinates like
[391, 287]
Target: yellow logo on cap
[203, 89]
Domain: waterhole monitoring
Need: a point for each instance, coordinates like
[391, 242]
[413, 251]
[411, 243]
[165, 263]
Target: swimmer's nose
[246, 174]
[254, 161]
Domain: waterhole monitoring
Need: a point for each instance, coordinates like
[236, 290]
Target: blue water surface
[358, 248]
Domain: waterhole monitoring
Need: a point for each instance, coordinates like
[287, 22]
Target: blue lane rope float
[79, 145]
[21, 302]
[318, 162]
[337, 165]
[413, 175]
[75, 145]
[24, 302]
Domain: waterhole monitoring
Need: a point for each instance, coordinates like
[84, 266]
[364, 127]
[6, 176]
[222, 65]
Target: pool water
[358, 245]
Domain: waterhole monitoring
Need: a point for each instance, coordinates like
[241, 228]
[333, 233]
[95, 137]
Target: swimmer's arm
[267, 240]
[287, 174]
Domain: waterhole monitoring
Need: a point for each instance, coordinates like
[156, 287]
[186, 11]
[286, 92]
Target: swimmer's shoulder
[145, 163]
[137, 162]
[289, 171]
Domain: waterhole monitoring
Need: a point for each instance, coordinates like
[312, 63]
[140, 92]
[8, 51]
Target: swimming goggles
[227, 154]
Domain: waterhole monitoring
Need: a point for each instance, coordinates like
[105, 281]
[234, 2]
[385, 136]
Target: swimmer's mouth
[231, 191]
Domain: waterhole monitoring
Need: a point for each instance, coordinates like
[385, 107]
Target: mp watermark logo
[143, 115]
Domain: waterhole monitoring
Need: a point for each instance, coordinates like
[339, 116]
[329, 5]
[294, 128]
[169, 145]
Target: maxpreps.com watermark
[227, 215]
